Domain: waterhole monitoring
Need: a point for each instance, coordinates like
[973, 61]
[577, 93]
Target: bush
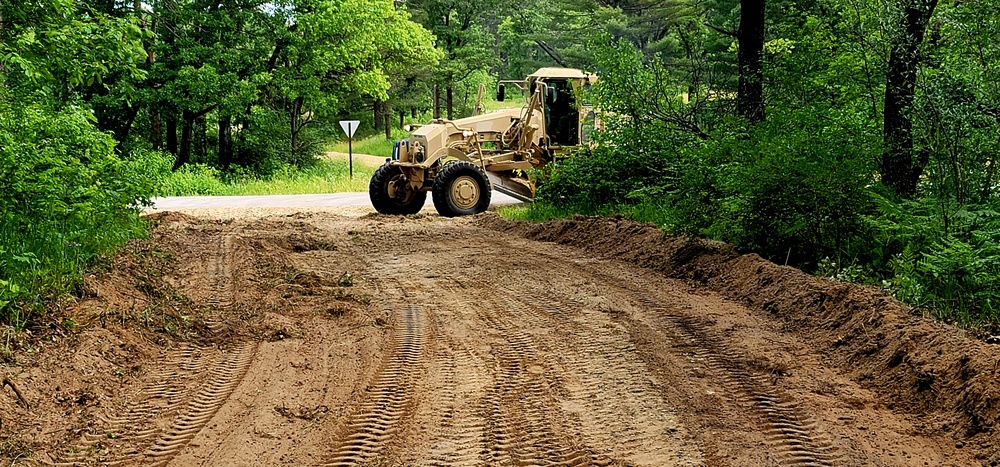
[67, 198]
[941, 256]
[790, 189]
[633, 163]
[192, 180]
[794, 189]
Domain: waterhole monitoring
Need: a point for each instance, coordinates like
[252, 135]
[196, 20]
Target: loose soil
[342, 338]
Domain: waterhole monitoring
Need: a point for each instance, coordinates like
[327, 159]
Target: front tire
[390, 192]
[461, 189]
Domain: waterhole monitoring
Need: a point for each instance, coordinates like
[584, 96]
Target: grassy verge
[537, 212]
[325, 176]
[540, 212]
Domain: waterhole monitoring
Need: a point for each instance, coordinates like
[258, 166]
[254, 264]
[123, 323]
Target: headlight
[468, 133]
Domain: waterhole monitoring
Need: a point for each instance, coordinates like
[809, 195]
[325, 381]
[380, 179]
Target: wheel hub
[465, 192]
[399, 189]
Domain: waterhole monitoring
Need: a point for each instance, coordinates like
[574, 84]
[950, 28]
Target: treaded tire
[461, 189]
[378, 191]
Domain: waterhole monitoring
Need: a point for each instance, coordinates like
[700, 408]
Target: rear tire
[390, 193]
[461, 189]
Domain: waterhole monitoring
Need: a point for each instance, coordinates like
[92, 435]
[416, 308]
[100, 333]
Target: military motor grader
[461, 161]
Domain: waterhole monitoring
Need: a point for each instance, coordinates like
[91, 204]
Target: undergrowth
[371, 144]
[66, 199]
[323, 176]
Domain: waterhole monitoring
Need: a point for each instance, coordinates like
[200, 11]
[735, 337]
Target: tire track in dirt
[601, 366]
[166, 390]
[449, 420]
[490, 395]
[459, 438]
[220, 280]
[223, 380]
[518, 407]
[525, 424]
[795, 437]
[391, 394]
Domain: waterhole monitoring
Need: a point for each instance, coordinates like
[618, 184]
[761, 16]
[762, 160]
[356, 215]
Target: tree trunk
[413, 112]
[401, 115]
[296, 127]
[121, 135]
[387, 114]
[187, 132]
[377, 114]
[900, 169]
[750, 89]
[156, 135]
[437, 102]
[201, 143]
[449, 98]
[225, 141]
[172, 135]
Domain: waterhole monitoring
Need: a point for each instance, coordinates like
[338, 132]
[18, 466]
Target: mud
[323, 338]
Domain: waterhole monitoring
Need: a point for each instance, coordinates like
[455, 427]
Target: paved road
[278, 201]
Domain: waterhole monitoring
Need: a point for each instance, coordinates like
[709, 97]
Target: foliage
[67, 198]
[322, 176]
[941, 256]
[48, 48]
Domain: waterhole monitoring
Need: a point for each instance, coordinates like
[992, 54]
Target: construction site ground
[338, 337]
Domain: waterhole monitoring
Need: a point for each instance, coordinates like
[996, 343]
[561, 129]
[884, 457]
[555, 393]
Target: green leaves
[49, 45]
[66, 196]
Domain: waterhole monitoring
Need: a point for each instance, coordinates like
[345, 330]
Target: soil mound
[917, 365]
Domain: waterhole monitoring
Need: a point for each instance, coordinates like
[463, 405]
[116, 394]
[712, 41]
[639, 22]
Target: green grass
[325, 176]
[536, 212]
[541, 212]
[514, 100]
[374, 145]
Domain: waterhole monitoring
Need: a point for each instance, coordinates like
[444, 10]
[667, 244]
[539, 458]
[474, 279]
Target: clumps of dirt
[169, 217]
[303, 413]
[388, 218]
[917, 365]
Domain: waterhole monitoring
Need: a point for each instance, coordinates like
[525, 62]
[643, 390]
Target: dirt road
[325, 339]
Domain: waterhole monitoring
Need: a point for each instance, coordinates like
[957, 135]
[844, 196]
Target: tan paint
[505, 143]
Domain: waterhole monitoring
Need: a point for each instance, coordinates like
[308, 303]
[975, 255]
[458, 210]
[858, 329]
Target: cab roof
[553, 72]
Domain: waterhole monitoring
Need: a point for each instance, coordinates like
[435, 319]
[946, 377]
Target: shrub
[66, 198]
[942, 256]
[193, 179]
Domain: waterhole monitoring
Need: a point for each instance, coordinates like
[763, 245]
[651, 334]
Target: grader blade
[517, 189]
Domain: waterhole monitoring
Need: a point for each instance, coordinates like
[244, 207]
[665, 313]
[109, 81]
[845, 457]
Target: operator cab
[569, 117]
[562, 114]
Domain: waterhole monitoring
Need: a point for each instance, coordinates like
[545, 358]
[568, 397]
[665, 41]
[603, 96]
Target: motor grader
[461, 161]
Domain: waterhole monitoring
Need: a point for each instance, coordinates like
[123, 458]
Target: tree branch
[723, 31]
[551, 53]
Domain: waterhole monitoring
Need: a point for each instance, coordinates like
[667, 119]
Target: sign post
[350, 126]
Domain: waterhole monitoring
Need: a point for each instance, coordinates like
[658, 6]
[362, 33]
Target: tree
[463, 32]
[900, 167]
[750, 91]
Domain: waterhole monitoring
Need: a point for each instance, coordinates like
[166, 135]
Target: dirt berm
[916, 365]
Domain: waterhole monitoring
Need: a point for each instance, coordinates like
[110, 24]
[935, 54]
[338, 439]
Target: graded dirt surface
[344, 338]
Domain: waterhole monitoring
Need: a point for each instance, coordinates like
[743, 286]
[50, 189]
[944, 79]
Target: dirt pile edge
[916, 364]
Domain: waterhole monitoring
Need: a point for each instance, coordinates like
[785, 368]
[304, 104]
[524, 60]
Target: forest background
[852, 138]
